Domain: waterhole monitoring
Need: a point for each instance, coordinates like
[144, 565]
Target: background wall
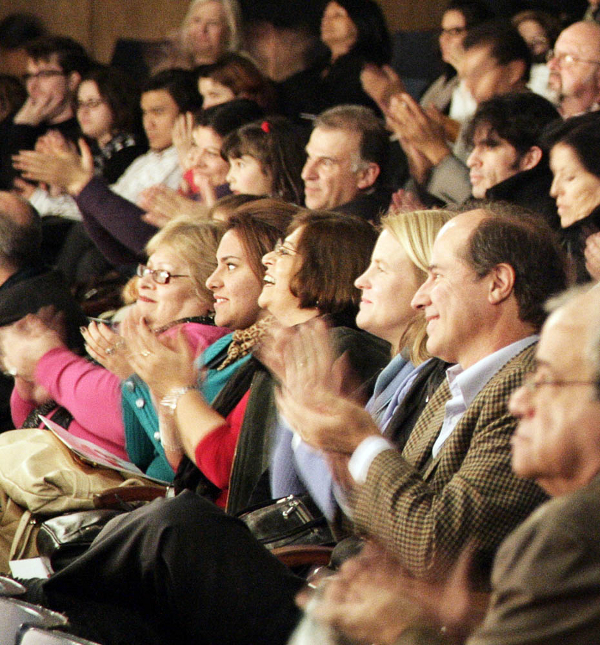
[98, 23]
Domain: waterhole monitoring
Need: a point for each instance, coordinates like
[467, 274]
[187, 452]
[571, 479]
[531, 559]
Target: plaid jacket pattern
[427, 510]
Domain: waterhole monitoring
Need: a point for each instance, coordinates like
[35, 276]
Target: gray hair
[233, 15]
[373, 146]
[592, 349]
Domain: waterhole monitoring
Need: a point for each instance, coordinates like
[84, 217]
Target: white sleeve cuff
[363, 457]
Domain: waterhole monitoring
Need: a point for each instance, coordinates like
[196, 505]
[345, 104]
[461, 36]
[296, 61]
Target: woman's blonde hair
[195, 242]
[416, 232]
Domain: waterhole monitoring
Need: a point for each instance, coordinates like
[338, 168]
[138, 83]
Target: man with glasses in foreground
[55, 65]
[574, 65]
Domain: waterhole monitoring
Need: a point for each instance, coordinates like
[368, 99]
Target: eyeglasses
[281, 250]
[160, 276]
[532, 385]
[453, 31]
[44, 73]
[568, 59]
[92, 104]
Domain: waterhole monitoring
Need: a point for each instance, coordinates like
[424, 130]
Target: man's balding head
[575, 68]
[491, 271]
[20, 233]
[557, 441]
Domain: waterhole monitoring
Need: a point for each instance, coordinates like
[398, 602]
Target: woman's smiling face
[282, 264]
[161, 304]
[234, 284]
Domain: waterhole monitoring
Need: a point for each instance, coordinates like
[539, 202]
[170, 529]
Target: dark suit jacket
[426, 510]
[546, 577]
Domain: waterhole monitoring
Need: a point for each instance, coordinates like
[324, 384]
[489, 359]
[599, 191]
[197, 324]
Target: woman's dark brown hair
[335, 249]
[258, 225]
[243, 78]
[121, 95]
[278, 146]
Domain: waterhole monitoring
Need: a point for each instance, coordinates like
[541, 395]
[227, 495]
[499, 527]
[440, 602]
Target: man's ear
[73, 80]
[502, 282]
[530, 159]
[367, 176]
[516, 70]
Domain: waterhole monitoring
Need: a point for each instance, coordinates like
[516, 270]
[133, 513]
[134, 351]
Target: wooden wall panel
[413, 14]
[66, 17]
[144, 19]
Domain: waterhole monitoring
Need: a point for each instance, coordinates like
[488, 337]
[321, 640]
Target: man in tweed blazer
[452, 484]
[546, 576]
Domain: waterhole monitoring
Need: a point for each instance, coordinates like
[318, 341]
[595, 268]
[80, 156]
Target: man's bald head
[16, 208]
[575, 68]
[20, 233]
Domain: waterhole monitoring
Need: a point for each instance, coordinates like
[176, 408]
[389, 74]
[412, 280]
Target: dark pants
[190, 567]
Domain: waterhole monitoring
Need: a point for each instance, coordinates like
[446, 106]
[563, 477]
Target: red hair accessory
[265, 126]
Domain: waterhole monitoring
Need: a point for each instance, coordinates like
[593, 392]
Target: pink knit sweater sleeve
[19, 408]
[90, 393]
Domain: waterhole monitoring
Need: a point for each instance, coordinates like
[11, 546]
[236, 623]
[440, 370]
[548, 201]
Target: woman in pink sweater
[172, 298]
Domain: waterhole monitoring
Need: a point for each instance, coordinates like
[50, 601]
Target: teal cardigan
[142, 436]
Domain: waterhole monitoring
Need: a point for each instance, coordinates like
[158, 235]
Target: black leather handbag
[63, 538]
[288, 521]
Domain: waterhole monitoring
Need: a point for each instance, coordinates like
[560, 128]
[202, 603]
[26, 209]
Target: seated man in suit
[545, 577]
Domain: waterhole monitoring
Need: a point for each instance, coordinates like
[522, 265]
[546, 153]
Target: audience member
[539, 30]
[575, 164]
[183, 255]
[346, 164]
[355, 33]
[507, 161]
[210, 29]
[489, 276]
[235, 76]
[447, 93]
[544, 577]
[26, 283]
[496, 61]
[54, 68]
[574, 65]
[266, 158]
